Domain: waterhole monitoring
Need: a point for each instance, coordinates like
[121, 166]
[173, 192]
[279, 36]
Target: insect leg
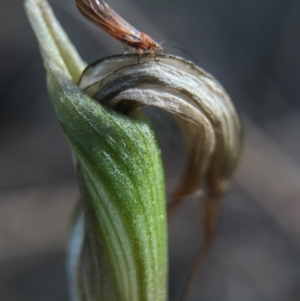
[140, 53]
[152, 53]
[126, 47]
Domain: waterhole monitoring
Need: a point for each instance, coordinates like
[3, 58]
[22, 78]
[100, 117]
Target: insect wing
[102, 15]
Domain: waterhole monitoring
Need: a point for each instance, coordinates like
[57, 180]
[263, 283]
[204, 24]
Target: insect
[98, 12]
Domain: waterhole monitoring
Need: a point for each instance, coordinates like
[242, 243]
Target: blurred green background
[252, 48]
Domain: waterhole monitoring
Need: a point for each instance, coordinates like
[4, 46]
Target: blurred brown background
[253, 48]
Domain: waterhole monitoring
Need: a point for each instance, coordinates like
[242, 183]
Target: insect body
[102, 15]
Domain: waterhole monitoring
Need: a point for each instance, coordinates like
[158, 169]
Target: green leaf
[120, 252]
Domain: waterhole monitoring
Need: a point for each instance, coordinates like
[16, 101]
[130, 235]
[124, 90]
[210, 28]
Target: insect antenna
[186, 52]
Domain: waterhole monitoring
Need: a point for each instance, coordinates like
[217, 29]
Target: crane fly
[98, 12]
